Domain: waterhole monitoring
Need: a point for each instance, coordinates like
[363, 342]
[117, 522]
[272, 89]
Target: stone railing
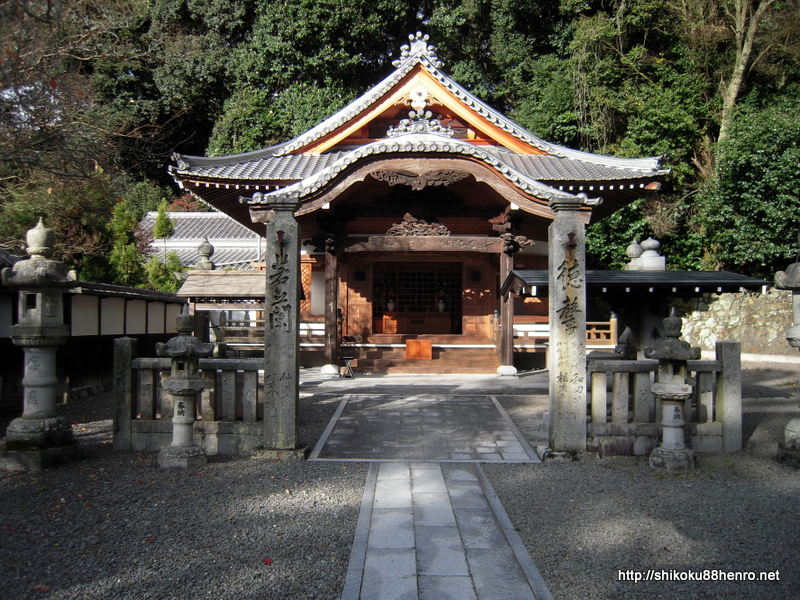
[229, 412]
[624, 418]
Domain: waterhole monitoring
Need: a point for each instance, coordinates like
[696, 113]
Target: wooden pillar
[281, 328]
[567, 351]
[506, 341]
[331, 317]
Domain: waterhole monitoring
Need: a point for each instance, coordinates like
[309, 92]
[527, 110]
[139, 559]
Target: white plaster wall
[112, 316]
[84, 315]
[135, 319]
[173, 310]
[155, 317]
[317, 292]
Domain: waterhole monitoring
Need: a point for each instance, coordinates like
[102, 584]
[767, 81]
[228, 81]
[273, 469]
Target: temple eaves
[425, 143]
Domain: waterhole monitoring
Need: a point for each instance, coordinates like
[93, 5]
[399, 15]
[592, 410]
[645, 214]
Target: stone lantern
[183, 383]
[789, 449]
[39, 438]
[673, 392]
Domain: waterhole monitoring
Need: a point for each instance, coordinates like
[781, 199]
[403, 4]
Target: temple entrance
[415, 298]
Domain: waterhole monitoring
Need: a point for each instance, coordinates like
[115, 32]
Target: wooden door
[480, 299]
[357, 305]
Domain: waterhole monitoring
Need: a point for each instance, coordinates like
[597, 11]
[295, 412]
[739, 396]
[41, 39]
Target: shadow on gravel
[115, 526]
[585, 521]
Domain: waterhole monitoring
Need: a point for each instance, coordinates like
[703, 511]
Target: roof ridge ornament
[418, 47]
[420, 122]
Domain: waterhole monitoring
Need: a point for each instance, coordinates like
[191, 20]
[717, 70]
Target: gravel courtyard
[114, 525]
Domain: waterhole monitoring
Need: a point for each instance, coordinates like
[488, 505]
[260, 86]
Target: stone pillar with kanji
[40, 437]
[281, 316]
[567, 313]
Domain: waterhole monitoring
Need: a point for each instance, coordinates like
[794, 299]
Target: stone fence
[758, 321]
[229, 413]
[627, 420]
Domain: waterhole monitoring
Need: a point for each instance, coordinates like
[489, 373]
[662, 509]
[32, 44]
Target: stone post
[282, 312]
[789, 449]
[183, 383]
[331, 366]
[40, 437]
[567, 351]
[673, 392]
[124, 409]
[506, 341]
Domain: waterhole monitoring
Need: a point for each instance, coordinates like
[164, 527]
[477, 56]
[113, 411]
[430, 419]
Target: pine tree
[164, 226]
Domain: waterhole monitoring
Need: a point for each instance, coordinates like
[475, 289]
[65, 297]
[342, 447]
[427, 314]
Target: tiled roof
[410, 143]
[7, 259]
[295, 167]
[199, 225]
[223, 258]
[223, 284]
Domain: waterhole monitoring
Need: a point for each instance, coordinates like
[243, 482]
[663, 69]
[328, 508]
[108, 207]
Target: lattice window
[432, 287]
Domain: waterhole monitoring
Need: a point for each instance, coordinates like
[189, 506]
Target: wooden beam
[381, 243]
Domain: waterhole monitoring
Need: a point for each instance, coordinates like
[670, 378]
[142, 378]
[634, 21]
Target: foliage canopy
[96, 94]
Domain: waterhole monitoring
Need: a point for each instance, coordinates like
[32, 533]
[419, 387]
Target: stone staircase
[381, 354]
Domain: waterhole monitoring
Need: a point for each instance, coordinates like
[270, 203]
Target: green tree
[164, 275]
[163, 226]
[125, 258]
[748, 214]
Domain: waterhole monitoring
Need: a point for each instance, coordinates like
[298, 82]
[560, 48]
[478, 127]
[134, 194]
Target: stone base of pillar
[329, 369]
[672, 460]
[27, 434]
[506, 370]
[181, 457]
[36, 459]
[788, 456]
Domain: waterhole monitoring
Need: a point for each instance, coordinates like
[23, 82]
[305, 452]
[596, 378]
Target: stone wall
[758, 321]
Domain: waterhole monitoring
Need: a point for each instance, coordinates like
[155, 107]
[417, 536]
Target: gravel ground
[116, 526]
[583, 521]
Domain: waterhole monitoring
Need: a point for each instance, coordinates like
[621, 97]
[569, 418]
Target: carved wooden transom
[417, 182]
[417, 227]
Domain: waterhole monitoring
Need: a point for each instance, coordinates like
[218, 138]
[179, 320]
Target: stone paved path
[431, 526]
[436, 531]
[422, 427]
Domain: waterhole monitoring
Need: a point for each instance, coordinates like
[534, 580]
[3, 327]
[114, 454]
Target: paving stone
[497, 574]
[433, 509]
[439, 551]
[427, 481]
[459, 473]
[424, 427]
[467, 494]
[424, 465]
[391, 528]
[392, 493]
[432, 587]
[394, 470]
[390, 575]
[479, 528]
